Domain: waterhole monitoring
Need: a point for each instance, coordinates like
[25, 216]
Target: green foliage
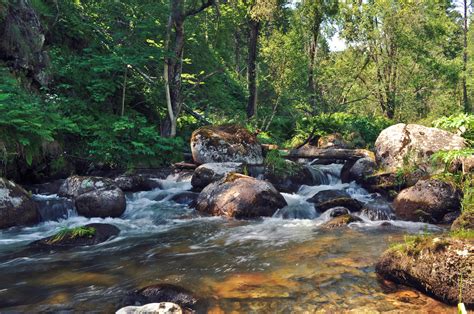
[77, 232]
[368, 128]
[459, 123]
[278, 165]
[26, 122]
[127, 142]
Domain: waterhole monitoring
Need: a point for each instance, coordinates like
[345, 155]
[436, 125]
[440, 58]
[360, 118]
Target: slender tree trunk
[313, 49]
[252, 68]
[467, 107]
[173, 65]
[237, 53]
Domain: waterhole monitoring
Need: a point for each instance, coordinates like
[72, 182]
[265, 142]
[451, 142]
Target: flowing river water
[286, 263]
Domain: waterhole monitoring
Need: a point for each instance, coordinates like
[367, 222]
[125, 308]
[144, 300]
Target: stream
[286, 263]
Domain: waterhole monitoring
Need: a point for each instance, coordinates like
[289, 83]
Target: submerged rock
[165, 293]
[378, 209]
[414, 142]
[427, 201]
[185, 198]
[434, 266]
[225, 143]
[327, 199]
[211, 172]
[16, 206]
[340, 221]
[94, 196]
[240, 196]
[87, 235]
[155, 308]
[338, 211]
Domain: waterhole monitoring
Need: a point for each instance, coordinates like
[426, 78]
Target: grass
[78, 232]
[462, 234]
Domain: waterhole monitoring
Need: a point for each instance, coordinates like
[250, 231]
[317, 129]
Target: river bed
[262, 266]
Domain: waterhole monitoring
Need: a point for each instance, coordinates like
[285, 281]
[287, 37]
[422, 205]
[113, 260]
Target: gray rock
[414, 142]
[225, 143]
[94, 196]
[16, 206]
[428, 201]
[211, 172]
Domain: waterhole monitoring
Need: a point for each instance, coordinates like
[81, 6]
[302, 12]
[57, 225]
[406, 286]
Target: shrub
[347, 124]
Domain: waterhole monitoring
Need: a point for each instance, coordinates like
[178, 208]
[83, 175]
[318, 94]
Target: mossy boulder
[328, 199]
[16, 206]
[87, 235]
[225, 143]
[464, 222]
[440, 267]
[427, 201]
[240, 196]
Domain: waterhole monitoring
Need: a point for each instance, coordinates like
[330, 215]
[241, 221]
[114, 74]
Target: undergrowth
[73, 233]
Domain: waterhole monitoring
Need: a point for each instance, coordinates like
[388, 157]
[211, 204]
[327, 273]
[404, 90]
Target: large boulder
[328, 199]
[417, 143]
[94, 196]
[159, 293]
[427, 201]
[16, 206]
[90, 234]
[101, 203]
[207, 173]
[225, 143]
[240, 196]
[441, 267]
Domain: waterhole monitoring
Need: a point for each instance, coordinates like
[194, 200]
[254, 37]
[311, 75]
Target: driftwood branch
[324, 153]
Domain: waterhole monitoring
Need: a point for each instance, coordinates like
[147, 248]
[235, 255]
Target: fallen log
[325, 153]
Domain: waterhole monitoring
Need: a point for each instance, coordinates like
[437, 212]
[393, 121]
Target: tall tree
[173, 65]
[258, 11]
[465, 97]
[313, 14]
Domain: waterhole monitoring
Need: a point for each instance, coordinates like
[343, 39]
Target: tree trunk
[467, 107]
[252, 68]
[173, 66]
[313, 48]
